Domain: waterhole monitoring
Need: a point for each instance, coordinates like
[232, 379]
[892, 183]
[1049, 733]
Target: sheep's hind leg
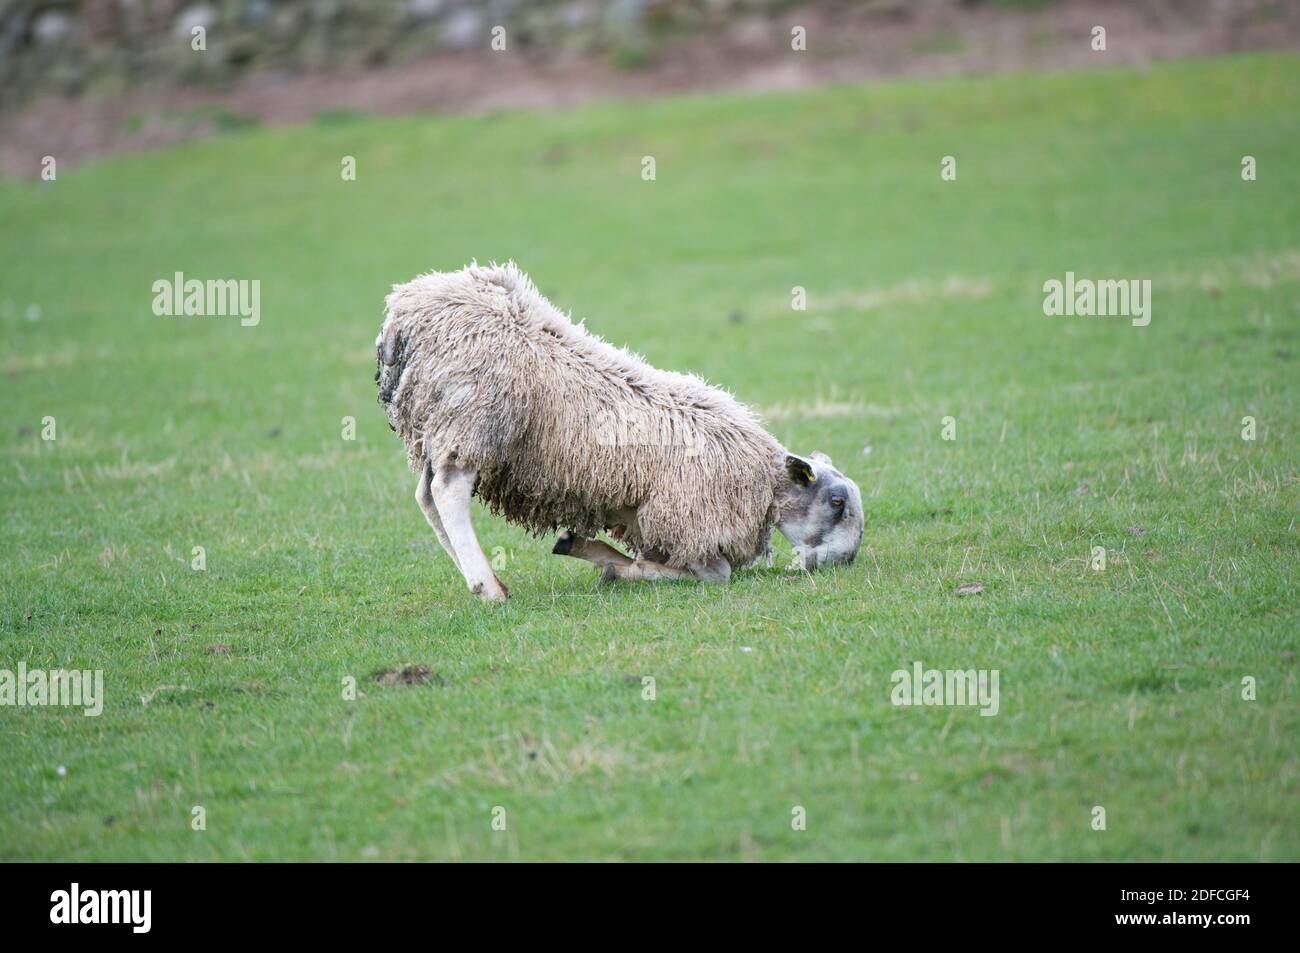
[424, 497]
[452, 488]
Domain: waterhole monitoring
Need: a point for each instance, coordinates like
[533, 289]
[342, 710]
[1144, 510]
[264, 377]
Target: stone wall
[81, 46]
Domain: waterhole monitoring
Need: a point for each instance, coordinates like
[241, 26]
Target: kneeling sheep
[495, 392]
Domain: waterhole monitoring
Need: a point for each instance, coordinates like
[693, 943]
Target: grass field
[1120, 688]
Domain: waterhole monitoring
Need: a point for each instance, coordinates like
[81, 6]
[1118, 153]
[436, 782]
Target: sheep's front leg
[651, 570]
[452, 488]
[592, 550]
[715, 570]
[424, 497]
[644, 569]
[615, 566]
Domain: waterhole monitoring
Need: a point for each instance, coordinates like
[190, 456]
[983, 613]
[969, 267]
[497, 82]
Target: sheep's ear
[388, 345]
[800, 470]
[820, 458]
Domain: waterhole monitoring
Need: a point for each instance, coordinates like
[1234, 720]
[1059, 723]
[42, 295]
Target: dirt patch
[410, 675]
[844, 46]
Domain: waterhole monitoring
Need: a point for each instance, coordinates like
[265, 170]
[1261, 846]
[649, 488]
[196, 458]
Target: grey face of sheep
[821, 512]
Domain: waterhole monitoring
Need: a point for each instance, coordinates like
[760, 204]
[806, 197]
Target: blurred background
[80, 78]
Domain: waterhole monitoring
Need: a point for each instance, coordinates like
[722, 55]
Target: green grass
[1119, 688]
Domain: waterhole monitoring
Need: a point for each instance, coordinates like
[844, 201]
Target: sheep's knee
[716, 570]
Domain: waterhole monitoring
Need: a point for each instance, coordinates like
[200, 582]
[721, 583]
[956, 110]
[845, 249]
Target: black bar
[333, 902]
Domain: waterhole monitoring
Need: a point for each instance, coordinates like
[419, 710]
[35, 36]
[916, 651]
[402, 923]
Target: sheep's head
[821, 511]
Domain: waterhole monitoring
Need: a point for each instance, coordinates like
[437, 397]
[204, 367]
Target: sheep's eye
[837, 502]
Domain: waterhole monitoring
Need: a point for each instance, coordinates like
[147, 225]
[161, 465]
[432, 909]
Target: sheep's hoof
[608, 575]
[563, 544]
[496, 593]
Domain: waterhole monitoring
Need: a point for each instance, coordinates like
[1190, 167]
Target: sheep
[494, 392]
